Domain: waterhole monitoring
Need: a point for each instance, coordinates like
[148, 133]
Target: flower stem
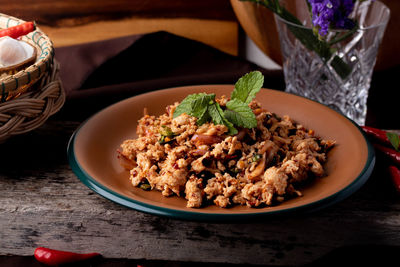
[344, 36]
[308, 38]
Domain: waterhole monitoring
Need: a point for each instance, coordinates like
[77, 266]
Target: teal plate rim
[197, 215]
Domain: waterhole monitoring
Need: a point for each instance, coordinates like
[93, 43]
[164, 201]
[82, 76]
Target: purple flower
[331, 14]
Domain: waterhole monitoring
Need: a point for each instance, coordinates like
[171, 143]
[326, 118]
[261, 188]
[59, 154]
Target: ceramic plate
[93, 157]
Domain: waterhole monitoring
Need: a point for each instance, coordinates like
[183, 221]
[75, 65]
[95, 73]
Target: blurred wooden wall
[76, 21]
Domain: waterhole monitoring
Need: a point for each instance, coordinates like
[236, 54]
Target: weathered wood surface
[42, 203]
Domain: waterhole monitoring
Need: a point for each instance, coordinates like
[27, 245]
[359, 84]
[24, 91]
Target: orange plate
[93, 157]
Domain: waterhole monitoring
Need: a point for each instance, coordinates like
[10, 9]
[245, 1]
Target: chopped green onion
[166, 134]
[166, 131]
[145, 187]
[256, 157]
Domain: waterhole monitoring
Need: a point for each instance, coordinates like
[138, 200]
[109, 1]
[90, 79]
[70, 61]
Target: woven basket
[30, 96]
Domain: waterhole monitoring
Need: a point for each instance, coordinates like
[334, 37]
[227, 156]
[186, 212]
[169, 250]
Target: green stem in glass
[309, 39]
[343, 36]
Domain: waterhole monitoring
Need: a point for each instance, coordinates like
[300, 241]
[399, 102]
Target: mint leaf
[200, 105]
[204, 118]
[240, 114]
[394, 140]
[217, 116]
[200, 108]
[185, 106]
[248, 86]
[194, 105]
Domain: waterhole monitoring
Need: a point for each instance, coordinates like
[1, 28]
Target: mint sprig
[237, 113]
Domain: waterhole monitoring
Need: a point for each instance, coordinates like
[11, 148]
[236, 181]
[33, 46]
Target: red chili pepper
[231, 156]
[18, 30]
[56, 257]
[377, 134]
[395, 176]
[390, 153]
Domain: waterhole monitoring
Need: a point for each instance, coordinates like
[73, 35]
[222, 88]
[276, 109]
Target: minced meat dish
[257, 167]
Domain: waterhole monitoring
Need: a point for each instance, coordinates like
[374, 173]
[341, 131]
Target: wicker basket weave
[33, 108]
[30, 96]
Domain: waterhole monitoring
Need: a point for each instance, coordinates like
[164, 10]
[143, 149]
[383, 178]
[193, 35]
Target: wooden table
[42, 203]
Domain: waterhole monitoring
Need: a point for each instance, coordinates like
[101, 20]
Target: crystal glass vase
[336, 73]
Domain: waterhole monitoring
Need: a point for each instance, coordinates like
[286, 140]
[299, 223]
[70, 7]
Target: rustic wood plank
[42, 203]
[74, 21]
[222, 35]
[77, 12]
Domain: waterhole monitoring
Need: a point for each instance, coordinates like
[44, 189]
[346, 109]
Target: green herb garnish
[194, 105]
[248, 86]
[237, 113]
[240, 114]
[217, 117]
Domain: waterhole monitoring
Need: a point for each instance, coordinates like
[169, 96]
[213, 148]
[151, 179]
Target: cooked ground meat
[257, 167]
